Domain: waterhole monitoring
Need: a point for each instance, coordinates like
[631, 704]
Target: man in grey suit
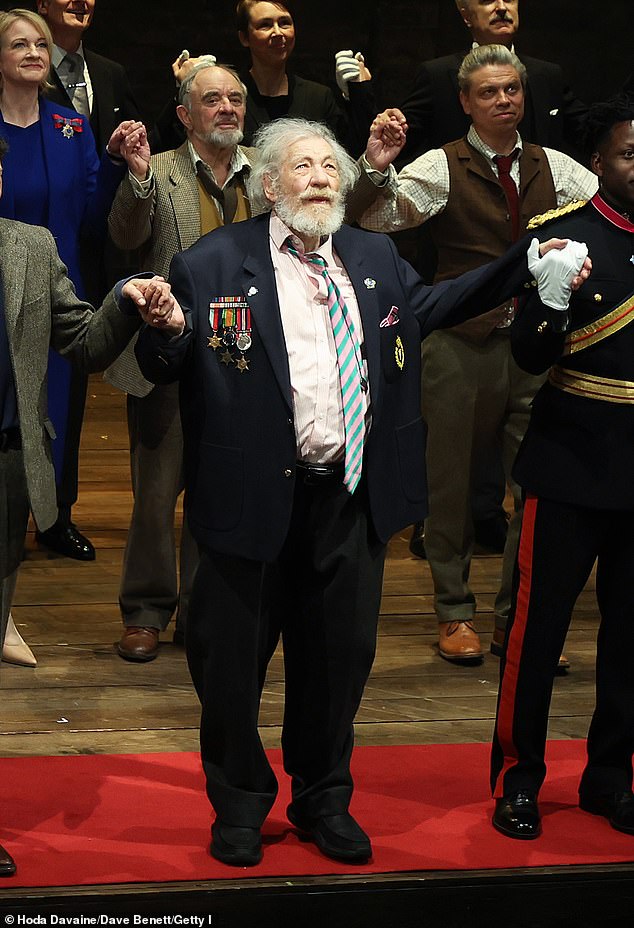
[162, 207]
[40, 310]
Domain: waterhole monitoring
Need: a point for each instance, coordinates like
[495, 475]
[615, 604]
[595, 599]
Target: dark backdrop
[591, 41]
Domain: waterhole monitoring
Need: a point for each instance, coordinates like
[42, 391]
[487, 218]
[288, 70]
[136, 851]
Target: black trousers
[68, 480]
[322, 595]
[558, 547]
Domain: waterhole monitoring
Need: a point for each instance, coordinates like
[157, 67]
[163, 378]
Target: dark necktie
[76, 85]
[227, 197]
[504, 164]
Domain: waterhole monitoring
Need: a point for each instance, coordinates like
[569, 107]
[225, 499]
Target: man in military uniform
[575, 467]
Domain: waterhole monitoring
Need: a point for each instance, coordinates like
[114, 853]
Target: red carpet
[145, 818]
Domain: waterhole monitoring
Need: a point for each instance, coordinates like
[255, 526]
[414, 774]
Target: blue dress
[53, 177]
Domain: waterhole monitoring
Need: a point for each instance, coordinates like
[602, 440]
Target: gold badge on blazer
[399, 353]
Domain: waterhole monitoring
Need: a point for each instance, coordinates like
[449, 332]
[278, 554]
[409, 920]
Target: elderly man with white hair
[299, 371]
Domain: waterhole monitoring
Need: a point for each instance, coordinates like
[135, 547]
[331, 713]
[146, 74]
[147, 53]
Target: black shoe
[236, 845]
[336, 836]
[417, 541]
[491, 533]
[517, 815]
[179, 636]
[618, 808]
[64, 538]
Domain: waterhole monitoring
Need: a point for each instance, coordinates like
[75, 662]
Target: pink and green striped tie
[351, 377]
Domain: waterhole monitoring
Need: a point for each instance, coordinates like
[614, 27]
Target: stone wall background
[592, 42]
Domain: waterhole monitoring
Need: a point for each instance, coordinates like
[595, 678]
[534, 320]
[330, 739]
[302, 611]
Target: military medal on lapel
[230, 321]
[68, 126]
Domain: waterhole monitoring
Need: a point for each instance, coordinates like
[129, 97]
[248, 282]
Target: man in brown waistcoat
[163, 206]
[478, 194]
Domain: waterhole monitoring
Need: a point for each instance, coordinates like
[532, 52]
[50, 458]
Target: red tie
[504, 163]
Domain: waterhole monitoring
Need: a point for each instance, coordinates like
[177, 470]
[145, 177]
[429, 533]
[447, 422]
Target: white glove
[347, 68]
[555, 271]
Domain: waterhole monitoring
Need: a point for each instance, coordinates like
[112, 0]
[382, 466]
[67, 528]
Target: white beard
[313, 219]
[221, 138]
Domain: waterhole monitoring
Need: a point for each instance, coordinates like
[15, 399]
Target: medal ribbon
[77, 124]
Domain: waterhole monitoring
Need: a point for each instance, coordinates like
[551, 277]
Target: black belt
[10, 439]
[313, 474]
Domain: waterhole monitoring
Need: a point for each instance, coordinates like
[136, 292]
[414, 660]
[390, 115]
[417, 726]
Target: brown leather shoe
[138, 644]
[458, 641]
[7, 863]
[497, 647]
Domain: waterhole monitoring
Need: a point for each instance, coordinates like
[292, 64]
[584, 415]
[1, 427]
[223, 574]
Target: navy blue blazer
[239, 435]
[81, 187]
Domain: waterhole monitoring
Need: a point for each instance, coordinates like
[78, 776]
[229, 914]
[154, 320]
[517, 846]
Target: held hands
[387, 138]
[135, 149]
[558, 266]
[129, 141]
[156, 304]
[350, 66]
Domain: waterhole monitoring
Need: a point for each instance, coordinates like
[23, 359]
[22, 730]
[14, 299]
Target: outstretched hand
[156, 304]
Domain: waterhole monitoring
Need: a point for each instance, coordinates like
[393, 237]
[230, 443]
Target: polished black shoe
[64, 538]
[179, 636]
[618, 808]
[7, 863]
[336, 836]
[491, 533]
[517, 815]
[236, 845]
[417, 541]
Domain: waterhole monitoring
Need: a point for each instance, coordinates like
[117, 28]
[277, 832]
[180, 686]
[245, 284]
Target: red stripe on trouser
[508, 685]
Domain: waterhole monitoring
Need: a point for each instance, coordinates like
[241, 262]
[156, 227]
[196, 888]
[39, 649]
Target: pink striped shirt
[310, 344]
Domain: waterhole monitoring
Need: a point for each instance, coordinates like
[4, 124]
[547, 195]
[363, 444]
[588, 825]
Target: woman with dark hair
[268, 31]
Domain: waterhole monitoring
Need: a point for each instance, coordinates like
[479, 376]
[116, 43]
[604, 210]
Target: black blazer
[113, 98]
[239, 436]
[580, 449]
[553, 116]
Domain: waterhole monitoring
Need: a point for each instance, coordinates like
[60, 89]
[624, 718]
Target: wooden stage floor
[82, 697]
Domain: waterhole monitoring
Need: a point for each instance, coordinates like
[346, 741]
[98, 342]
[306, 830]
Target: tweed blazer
[160, 226]
[42, 311]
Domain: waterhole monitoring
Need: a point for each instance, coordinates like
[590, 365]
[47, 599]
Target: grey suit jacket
[42, 311]
[161, 225]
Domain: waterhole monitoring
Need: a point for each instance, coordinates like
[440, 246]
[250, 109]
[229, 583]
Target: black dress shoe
[417, 541]
[179, 636]
[517, 815]
[64, 538]
[7, 863]
[236, 845]
[491, 533]
[336, 836]
[618, 808]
